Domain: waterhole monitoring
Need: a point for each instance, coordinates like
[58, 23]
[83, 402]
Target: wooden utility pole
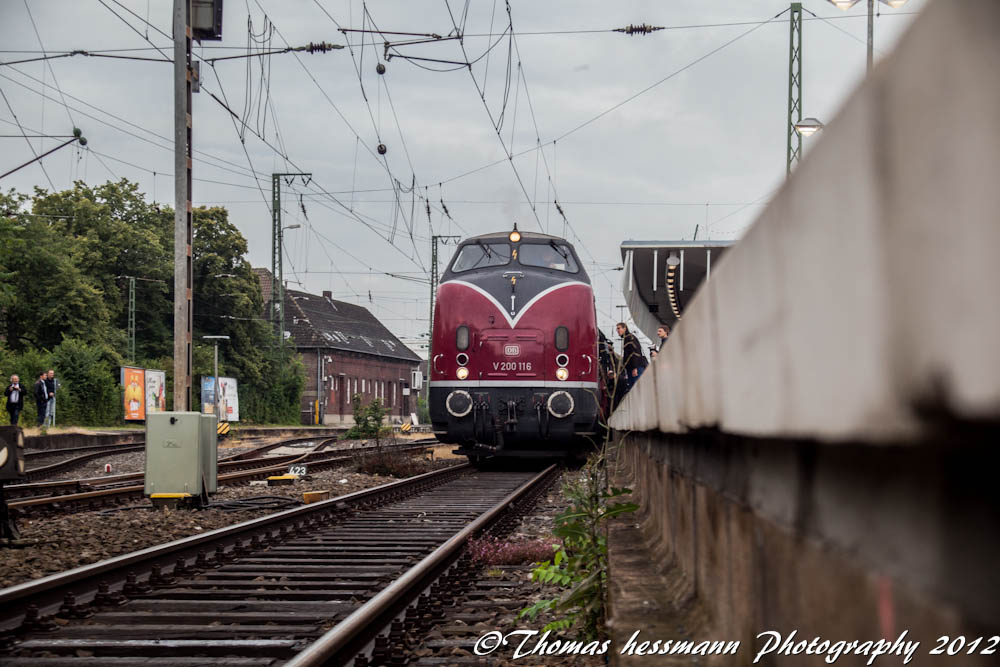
[183, 230]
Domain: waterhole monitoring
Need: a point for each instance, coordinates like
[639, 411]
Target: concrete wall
[815, 447]
[864, 296]
[70, 440]
[786, 535]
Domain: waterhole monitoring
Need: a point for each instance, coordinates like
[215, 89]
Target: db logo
[511, 350]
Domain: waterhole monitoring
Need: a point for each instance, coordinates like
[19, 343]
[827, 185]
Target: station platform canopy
[661, 277]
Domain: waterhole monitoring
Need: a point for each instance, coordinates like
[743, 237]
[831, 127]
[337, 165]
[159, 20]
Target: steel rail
[43, 471]
[340, 644]
[95, 483]
[48, 592]
[271, 467]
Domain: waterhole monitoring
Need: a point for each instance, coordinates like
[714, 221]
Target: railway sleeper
[275, 648]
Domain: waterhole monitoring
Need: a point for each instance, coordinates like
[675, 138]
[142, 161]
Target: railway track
[111, 491]
[307, 586]
[97, 451]
[92, 452]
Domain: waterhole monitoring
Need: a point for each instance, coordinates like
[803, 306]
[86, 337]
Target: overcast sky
[703, 145]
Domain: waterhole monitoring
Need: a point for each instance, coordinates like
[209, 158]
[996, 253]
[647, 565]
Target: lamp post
[215, 370]
[847, 4]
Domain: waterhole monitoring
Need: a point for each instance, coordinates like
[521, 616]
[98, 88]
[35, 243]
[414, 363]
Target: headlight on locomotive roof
[462, 372]
[562, 373]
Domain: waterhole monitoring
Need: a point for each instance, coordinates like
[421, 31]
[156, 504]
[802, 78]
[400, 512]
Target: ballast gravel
[57, 544]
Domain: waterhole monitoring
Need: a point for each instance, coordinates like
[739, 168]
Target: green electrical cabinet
[210, 452]
[180, 455]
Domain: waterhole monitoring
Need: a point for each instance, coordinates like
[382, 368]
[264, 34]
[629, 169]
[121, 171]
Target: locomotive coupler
[542, 414]
[512, 409]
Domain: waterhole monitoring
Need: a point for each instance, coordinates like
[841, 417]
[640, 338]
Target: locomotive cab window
[481, 255]
[550, 256]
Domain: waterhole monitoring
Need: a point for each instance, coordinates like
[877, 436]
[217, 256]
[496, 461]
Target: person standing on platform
[15, 399]
[633, 359]
[50, 388]
[662, 332]
[41, 397]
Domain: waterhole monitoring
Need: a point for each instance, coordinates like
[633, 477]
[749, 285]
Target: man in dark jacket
[662, 332]
[41, 392]
[632, 357]
[50, 387]
[15, 399]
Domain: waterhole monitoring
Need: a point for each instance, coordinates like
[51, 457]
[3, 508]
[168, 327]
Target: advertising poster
[207, 394]
[230, 399]
[134, 386]
[156, 391]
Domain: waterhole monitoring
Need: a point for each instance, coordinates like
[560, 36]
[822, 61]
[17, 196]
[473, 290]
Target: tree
[117, 234]
[228, 302]
[47, 294]
[65, 259]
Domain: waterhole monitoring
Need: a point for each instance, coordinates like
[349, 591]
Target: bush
[88, 393]
[390, 463]
[27, 365]
[277, 399]
[367, 420]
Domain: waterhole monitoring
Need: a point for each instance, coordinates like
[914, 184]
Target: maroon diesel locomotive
[514, 361]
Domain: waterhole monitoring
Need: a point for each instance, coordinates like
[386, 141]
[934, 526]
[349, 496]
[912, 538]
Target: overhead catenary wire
[326, 96]
[482, 96]
[34, 153]
[540, 146]
[210, 160]
[519, 33]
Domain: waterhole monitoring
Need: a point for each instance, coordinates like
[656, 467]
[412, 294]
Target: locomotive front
[514, 364]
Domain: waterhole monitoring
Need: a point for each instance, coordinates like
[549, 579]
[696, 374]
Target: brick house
[346, 351]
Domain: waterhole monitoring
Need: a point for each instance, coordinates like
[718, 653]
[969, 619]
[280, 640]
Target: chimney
[327, 294]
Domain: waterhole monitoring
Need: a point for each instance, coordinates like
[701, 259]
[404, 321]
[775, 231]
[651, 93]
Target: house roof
[320, 321]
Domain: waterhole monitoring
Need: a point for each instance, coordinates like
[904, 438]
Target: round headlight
[562, 373]
[515, 235]
[562, 360]
[462, 358]
[462, 372]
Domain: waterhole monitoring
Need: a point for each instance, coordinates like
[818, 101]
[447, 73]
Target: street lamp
[808, 127]
[215, 371]
[847, 4]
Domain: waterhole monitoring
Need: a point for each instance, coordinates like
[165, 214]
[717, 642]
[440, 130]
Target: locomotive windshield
[480, 255]
[550, 256]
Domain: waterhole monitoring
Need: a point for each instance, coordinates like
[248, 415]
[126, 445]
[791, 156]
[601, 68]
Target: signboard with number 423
[297, 469]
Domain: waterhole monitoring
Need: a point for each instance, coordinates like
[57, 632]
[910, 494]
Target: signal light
[562, 374]
[462, 373]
